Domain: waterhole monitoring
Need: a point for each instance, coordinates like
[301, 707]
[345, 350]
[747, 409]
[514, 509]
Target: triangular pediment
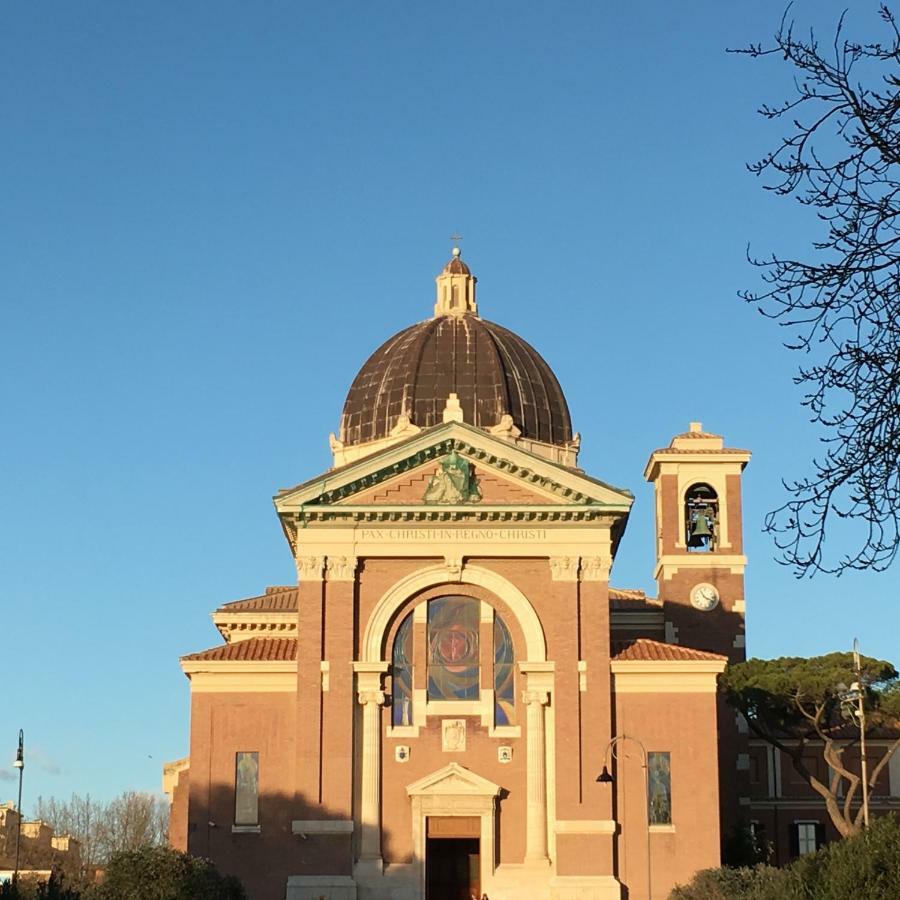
[493, 487]
[399, 477]
[453, 780]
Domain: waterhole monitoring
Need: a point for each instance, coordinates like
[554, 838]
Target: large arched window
[454, 659]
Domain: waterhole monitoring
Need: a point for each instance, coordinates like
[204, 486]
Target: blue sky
[211, 213]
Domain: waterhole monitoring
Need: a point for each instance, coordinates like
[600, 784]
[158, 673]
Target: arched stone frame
[373, 663]
[373, 643]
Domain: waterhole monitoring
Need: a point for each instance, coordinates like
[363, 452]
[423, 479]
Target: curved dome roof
[492, 371]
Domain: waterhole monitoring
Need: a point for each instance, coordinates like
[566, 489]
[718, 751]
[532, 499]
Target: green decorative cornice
[439, 451]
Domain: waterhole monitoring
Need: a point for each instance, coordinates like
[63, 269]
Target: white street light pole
[606, 778]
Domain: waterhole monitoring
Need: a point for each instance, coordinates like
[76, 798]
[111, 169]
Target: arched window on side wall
[701, 518]
[401, 675]
[504, 675]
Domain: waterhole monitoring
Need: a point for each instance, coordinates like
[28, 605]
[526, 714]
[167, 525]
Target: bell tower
[699, 571]
[700, 558]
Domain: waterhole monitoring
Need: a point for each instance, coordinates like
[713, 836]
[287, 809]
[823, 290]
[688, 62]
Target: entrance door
[452, 868]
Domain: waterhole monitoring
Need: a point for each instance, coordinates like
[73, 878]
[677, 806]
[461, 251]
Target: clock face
[704, 597]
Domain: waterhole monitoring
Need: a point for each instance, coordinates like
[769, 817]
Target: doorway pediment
[453, 780]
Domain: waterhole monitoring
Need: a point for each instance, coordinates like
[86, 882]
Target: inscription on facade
[431, 535]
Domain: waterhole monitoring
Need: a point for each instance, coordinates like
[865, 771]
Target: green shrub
[866, 866]
[157, 873]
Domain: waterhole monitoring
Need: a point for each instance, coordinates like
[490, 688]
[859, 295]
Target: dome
[493, 372]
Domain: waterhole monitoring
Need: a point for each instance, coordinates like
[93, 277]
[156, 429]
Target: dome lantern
[455, 289]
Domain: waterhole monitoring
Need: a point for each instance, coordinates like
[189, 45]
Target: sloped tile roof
[626, 599]
[250, 650]
[281, 598]
[646, 650]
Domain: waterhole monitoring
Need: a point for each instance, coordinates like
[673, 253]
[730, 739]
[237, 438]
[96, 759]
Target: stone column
[536, 821]
[370, 788]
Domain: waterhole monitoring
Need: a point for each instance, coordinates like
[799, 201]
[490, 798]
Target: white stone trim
[322, 826]
[314, 887]
[454, 790]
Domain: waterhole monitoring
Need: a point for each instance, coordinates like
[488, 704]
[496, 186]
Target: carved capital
[309, 568]
[341, 568]
[539, 697]
[595, 568]
[564, 568]
[366, 697]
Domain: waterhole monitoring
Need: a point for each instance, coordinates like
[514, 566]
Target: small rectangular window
[246, 789]
[659, 786]
[806, 838]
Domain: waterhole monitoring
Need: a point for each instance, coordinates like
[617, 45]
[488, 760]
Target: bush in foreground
[157, 873]
[866, 865]
[151, 873]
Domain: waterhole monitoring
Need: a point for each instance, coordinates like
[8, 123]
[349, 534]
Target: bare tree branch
[840, 157]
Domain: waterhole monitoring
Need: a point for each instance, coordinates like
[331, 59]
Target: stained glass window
[246, 789]
[504, 675]
[401, 675]
[453, 663]
[660, 788]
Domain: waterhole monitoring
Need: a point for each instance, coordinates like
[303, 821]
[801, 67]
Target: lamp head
[20, 752]
[604, 777]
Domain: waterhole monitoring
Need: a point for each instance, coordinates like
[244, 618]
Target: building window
[246, 789]
[808, 836]
[659, 786]
[453, 663]
[453, 648]
[401, 675]
[701, 518]
[504, 675]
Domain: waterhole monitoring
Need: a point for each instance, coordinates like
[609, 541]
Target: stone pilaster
[536, 789]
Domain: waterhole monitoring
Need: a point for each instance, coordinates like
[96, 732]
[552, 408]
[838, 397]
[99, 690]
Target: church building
[451, 701]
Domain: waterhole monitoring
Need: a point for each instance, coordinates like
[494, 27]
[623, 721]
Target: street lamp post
[606, 778]
[20, 765]
[861, 700]
[853, 707]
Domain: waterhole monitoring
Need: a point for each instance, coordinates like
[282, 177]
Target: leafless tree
[130, 821]
[841, 157]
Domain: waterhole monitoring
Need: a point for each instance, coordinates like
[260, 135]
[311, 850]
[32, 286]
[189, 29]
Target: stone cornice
[238, 626]
[477, 446]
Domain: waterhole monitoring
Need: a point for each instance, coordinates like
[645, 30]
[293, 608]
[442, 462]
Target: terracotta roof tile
[276, 599]
[632, 600]
[698, 449]
[251, 650]
[646, 650]
[698, 435]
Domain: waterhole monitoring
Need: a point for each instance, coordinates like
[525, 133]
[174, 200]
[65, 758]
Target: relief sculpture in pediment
[453, 482]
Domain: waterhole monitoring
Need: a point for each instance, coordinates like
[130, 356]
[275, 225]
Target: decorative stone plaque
[504, 754]
[453, 735]
[401, 753]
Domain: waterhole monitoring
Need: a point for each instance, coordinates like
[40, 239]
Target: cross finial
[456, 237]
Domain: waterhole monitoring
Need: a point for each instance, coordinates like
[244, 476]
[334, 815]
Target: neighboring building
[40, 850]
[426, 712]
[788, 816]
